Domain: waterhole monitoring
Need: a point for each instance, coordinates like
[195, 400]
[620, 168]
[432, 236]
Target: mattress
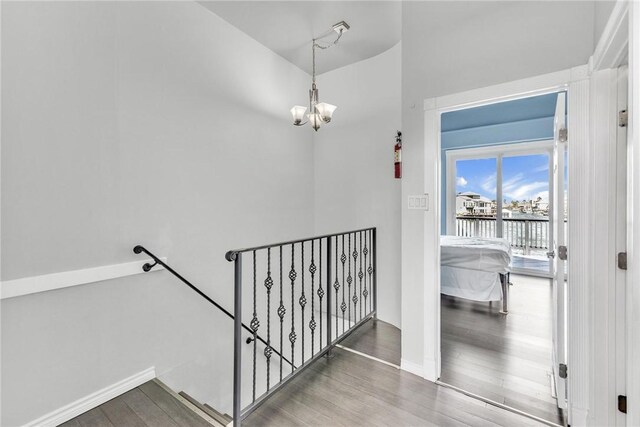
[492, 255]
[470, 284]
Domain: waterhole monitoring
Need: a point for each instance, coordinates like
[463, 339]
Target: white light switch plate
[419, 202]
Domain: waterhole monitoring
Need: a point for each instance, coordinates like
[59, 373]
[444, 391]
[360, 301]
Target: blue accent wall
[511, 122]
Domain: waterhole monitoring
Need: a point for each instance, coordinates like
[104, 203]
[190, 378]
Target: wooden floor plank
[94, 418]
[71, 423]
[273, 415]
[377, 339]
[147, 410]
[120, 414]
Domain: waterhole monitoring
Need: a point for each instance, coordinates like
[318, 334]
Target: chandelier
[319, 112]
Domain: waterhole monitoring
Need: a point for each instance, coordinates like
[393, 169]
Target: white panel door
[559, 242]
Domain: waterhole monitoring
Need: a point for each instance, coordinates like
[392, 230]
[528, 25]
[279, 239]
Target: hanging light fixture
[319, 112]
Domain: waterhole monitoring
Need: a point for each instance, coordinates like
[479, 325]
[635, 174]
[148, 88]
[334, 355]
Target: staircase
[150, 405]
[205, 411]
[220, 419]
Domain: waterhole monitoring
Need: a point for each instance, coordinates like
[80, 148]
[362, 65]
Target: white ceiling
[287, 27]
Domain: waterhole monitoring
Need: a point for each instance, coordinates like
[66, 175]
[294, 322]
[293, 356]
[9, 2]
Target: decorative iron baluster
[312, 322]
[336, 285]
[302, 301]
[370, 270]
[365, 251]
[255, 324]
[360, 276]
[328, 285]
[268, 283]
[281, 312]
[349, 280]
[292, 334]
[320, 290]
[354, 299]
[374, 269]
[343, 306]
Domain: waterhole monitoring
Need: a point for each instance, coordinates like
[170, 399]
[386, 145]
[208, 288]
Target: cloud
[525, 190]
[542, 168]
[461, 182]
[489, 184]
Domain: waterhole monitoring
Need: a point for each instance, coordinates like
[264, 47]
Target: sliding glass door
[504, 191]
[525, 213]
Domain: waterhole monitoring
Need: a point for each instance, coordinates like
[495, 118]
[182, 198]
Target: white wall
[494, 42]
[602, 12]
[354, 181]
[125, 123]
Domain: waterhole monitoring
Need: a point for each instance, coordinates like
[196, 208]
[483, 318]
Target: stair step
[228, 417]
[223, 419]
[187, 403]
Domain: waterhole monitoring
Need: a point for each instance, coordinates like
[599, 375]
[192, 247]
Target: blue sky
[523, 177]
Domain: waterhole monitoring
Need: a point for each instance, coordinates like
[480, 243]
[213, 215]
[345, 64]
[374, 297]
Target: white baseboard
[411, 367]
[430, 370]
[93, 400]
[66, 279]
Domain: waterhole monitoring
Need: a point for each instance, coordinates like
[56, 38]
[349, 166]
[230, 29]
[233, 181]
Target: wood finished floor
[378, 339]
[352, 390]
[503, 358]
[148, 405]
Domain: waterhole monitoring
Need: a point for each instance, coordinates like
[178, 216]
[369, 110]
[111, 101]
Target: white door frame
[575, 82]
[633, 212]
[612, 320]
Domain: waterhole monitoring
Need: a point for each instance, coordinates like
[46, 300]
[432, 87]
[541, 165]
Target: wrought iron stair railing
[339, 272]
[286, 279]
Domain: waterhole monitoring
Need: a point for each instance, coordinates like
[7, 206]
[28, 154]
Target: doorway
[503, 204]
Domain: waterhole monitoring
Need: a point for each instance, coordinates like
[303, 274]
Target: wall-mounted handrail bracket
[148, 267]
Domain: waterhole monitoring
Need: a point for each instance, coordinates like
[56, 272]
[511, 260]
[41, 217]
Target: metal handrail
[493, 218]
[157, 261]
[231, 255]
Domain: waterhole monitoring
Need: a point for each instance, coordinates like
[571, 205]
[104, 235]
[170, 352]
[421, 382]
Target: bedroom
[502, 215]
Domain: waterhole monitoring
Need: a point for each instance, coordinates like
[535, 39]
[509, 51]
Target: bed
[476, 268]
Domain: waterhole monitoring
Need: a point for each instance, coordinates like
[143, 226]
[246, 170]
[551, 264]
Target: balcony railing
[523, 233]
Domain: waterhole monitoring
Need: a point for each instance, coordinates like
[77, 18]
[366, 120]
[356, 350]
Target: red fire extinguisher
[398, 155]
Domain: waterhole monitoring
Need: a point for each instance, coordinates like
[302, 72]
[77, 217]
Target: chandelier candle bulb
[298, 114]
[326, 111]
[315, 120]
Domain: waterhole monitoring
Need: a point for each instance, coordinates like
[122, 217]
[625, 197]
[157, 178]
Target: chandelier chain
[315, 45]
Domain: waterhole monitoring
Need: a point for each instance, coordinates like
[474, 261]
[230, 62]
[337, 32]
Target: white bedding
[476, 253]
[470, 284]
[471, 267]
